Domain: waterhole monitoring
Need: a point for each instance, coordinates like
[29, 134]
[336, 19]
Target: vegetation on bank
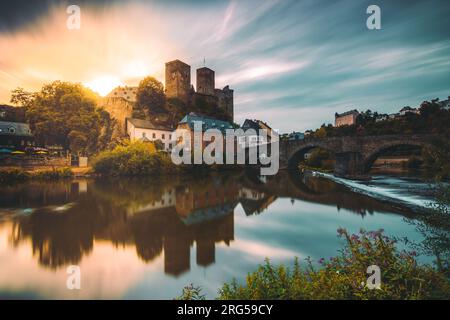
[342, 277]
[133, 159]
[18, 174]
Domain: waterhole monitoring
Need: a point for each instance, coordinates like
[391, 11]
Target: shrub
[11, 175]
[56, 173]
[131, 159]
[344, 276]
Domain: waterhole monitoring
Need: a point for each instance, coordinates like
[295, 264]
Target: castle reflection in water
[62, 220]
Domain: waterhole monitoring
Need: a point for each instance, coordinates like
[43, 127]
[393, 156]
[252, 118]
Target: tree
[150, 95]
[66, 114]
[21, 97]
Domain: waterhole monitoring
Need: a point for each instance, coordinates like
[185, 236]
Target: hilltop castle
[121, 101]
[178, 85]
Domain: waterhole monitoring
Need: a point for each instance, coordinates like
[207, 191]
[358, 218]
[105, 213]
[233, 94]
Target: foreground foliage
[131, 159]
[343, 276]
[16, 174]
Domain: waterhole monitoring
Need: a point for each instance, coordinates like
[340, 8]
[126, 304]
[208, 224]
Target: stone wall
[119, 109]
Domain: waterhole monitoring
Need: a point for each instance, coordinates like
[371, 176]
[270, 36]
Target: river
[141, 238]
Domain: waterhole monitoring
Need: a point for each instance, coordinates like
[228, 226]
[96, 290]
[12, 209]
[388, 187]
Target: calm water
[139, 238]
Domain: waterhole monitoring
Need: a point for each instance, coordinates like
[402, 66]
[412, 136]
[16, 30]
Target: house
[408, 110]
[296, 136]
[308, 133]
[185, 128]
[256, 139]
[345, 119]
[445, 104]
[381, 117]
[146, 131]
[15, 135]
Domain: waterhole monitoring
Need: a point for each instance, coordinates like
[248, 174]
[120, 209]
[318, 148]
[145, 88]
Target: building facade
[346, 119]
[15, 135]
[146, 131]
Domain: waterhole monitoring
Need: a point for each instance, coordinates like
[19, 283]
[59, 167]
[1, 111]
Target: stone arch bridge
[354, 155]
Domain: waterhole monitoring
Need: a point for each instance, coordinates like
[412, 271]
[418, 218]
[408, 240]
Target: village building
[146, 131]
[256, 139]
[185, 128]
[408, 110]
[346, 119]
[15, 136]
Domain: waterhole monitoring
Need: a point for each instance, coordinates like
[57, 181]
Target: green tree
[150, 95]
[66, 114]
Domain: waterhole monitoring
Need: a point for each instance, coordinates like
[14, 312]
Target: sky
[292, 63]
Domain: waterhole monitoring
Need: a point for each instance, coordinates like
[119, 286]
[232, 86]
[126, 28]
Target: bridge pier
[349, 165]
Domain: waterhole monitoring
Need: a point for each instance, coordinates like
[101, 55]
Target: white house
[145, 130]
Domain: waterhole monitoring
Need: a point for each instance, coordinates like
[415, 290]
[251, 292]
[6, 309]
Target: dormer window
[12, 130]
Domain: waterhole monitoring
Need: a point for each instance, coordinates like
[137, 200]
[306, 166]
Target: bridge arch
[298, 153]
[369, 160]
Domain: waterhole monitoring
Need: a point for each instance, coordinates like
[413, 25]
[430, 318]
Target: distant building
[15, 135]
[408, 110]
[127, 93]
[346, 119]
[445, 104]
[146, 131]
[308, 133]
[381, 117]
[185, 128]
[257, 139]
[296, 136]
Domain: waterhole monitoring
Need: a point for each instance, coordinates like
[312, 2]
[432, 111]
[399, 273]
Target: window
[12, 130]
[170, 137]
[143, 134]
[154, 136]
[163, 136]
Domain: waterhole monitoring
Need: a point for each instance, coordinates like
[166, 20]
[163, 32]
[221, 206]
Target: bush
[11, 175]
[131, 159]
[14, 175]
[57, 173]
[344, 276]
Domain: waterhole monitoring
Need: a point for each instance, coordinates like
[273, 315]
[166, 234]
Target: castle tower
[225, 98]
[205, 81]
[178, 80]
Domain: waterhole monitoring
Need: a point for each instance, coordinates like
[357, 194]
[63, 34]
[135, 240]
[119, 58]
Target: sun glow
[103, 85]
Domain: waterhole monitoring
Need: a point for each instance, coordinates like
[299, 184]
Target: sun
[104, 84]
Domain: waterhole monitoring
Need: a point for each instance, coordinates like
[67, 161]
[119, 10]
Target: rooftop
[354, 111]
[14, 128]
[146, 124]
[208, 123]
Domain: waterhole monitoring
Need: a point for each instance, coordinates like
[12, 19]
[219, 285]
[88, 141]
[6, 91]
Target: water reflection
[63, 220]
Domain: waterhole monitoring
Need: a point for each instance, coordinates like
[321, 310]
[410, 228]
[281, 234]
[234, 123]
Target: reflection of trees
[201, 214]
[60, 237]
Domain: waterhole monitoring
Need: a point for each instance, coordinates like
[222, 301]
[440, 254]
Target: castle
[178, 85]
[121, 101]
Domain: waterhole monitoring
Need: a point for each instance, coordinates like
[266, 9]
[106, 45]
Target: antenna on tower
[204, 62]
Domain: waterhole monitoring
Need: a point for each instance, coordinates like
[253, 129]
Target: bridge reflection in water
[61, 220]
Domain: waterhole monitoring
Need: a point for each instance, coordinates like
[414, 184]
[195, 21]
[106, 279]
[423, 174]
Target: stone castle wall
[119, 109]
